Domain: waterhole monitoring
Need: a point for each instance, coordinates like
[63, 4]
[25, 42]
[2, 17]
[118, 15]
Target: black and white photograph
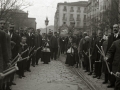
[59, 44]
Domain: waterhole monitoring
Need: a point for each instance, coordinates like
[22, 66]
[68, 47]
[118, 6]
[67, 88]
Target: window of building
[64, 16]
[65, 8]
[84, 24]
[64, 22]
[72, 9]
[84, 17]
[71, 17]
[78, 10]
[78, 17]
[78, 24]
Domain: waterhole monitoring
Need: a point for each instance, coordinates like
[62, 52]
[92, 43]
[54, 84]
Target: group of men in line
[94, 61]
[22, 48]
[85, 51]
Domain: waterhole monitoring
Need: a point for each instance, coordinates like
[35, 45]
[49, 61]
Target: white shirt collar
[116, 34]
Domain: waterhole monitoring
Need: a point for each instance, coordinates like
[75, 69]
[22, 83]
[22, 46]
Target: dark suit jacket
[32, 40]
[38, 41]
[9, 46]
[114, 52]
[111, 39]
[3, 51]
[95, 52]
[54, 42]
[15, 38]
[62, 42]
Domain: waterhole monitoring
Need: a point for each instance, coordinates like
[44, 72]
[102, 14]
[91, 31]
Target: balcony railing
[78, 19]
[71, 19]
[65, 19]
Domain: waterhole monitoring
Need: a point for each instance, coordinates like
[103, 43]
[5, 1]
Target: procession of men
[23, 48]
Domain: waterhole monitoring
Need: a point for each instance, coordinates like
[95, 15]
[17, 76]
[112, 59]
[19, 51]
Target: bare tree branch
[7, 6]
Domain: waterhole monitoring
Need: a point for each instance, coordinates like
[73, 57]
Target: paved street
[54, 76]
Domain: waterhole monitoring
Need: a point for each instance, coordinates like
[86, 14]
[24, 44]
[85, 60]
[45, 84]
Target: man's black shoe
[86, 71]
[33, 65]
[98, 77]
[95, 76]
[8, 88]
[29, 70]
[13, 83]
[20, 77]
[23, 75]
[105, 82]
[90, 73]
[110, 86]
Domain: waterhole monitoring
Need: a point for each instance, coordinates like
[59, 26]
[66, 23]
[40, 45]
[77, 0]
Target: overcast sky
[42, 8]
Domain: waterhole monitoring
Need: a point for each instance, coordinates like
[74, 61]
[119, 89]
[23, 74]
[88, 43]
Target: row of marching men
[19, 49]
[97, 54]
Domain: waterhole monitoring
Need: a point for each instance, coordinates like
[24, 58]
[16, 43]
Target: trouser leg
[33, 59]
[28, 64]
[55, 53]
[106, 77]
[117, 84]
[96, 68]
[99, 68]
[51, 53]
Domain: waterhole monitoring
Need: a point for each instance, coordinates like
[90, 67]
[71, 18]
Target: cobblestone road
[54, 76]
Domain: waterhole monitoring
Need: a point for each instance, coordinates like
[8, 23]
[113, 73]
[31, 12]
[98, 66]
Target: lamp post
[46, 23]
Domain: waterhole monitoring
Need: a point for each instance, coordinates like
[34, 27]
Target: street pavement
[55, 76]
[96, 82]
[52, 76]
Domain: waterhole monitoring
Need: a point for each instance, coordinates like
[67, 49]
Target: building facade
[101, 15]
[70, 15]
[20, 19]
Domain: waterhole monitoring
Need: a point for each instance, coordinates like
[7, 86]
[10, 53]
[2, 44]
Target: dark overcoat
[9, 46]
[54, 42]
[3, 51]
[115, 51]
[15, 38]
[111, 39]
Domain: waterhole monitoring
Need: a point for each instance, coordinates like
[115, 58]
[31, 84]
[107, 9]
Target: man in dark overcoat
[54, 46]
[15, 39]
[98, 60]
[113, 37]
[93, 40]
[38, 44]
[114, 52]
[7, 79]
[4, 54]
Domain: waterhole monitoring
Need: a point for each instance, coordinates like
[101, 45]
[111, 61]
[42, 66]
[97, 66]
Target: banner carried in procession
[64, 30]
